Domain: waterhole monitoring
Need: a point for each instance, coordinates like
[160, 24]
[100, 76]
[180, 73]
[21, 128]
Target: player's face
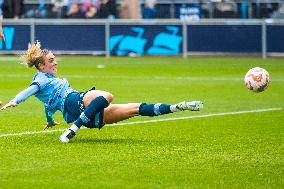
[50, 64]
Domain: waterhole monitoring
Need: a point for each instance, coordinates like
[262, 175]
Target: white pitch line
[198, 116]
[153, 121]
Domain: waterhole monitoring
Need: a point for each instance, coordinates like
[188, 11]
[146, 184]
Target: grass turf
[230, 151]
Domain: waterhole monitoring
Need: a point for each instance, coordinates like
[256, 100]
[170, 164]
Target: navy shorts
[73, 107]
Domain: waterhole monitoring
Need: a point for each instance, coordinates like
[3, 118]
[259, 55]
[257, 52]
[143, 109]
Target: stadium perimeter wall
[147, 37]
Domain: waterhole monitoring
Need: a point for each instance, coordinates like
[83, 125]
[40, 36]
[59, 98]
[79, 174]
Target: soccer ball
[257, 79]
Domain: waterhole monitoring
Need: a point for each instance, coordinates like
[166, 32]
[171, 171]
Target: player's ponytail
[34, 55]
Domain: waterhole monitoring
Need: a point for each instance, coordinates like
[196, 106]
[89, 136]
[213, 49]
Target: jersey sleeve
[40, 80]
[23, 95]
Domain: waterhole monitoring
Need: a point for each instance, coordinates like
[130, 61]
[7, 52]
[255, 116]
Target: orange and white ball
[257, 79]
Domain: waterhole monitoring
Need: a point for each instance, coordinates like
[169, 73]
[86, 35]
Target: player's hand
[9, 105]
[50, 125]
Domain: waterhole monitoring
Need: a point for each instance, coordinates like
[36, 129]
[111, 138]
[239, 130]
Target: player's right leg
[93, 102]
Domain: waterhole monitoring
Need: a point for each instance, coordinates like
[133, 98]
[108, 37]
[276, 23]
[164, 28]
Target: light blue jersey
[50, 90]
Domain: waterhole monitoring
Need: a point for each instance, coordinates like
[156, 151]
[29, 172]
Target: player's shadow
[109, 141]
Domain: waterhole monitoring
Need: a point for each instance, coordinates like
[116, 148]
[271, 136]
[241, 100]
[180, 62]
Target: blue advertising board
[71, 37]
[145, 39]
[17, 37]
[224, 38]
[275, 38]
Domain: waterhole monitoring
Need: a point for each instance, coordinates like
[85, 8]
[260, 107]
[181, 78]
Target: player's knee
[108, 96]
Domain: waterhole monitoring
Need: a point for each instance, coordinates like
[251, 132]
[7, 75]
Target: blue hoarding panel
[224, 38]
[17, 37]
[71, 37]
[275, 38]
[147, 39]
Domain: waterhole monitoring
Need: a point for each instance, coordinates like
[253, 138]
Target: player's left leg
[118, 112]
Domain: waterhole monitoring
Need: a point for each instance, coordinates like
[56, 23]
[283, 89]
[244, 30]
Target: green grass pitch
[216, 148]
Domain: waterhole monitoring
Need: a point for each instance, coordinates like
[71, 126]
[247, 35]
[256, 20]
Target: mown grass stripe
[153, 121]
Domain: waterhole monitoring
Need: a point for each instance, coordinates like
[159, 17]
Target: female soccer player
[92, 108]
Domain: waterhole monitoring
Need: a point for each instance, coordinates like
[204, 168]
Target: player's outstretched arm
[22, 96]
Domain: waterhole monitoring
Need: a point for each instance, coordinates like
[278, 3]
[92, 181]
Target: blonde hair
[34, 55]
